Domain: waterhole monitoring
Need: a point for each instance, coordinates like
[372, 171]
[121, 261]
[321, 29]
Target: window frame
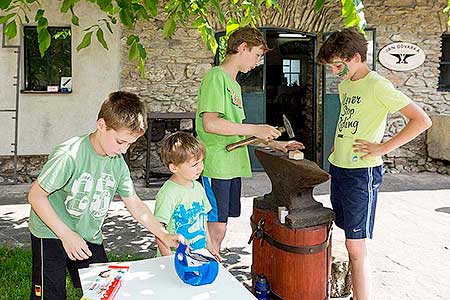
[442, 62]
[28, 60]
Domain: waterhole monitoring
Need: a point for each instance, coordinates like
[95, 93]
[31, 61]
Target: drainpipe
[16, 110]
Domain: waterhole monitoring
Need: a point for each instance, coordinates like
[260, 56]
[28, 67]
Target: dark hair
[250, 35]
[180, 147]
[343, 44]
[124, 110]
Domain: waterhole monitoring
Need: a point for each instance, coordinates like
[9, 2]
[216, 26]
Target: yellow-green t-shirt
[365, 104]
[221, 94]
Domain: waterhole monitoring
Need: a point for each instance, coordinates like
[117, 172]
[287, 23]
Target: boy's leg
[360, 268]
[224, 196]
[98, 256]
[48, 280]
[355, 196]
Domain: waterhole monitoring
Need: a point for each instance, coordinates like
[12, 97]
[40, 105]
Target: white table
[156, 279]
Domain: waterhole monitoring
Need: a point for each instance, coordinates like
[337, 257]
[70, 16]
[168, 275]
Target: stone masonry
[176, 66]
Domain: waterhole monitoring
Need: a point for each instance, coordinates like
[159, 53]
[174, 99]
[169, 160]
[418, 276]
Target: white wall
[48, 119]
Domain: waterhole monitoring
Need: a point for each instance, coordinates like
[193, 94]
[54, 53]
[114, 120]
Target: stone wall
[176, 66]
[420, 22]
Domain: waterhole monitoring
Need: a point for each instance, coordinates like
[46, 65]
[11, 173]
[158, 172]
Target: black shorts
[224, 195]
[50, 261]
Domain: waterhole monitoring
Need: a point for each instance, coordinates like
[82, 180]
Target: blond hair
[124, 110]
[180, 147]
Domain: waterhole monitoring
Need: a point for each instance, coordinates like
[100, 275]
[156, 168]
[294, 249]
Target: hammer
[286, 128]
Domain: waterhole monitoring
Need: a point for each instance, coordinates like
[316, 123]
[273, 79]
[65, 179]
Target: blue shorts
[224, 196]
[354, 195]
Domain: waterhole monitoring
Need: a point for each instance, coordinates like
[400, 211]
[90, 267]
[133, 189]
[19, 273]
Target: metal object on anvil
[286, 128]
[293, 182]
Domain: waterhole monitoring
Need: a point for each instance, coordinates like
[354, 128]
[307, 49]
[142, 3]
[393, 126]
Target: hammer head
[288, 127]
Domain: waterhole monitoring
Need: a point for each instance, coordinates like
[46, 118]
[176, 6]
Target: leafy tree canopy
[231, 14]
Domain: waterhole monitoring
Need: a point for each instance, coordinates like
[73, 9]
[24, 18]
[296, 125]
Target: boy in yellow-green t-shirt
[220, 113]
[366, 98]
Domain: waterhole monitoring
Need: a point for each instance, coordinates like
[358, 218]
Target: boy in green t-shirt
[181, 203]
[71, 197]
[356, 164]
[219, 122]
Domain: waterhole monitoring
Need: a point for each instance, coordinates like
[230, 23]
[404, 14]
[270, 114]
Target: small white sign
[401, 56]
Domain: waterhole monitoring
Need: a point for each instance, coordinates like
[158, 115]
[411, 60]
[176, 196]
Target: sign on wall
[401, 56]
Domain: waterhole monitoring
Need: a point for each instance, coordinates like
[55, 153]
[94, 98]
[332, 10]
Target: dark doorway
[290, 85]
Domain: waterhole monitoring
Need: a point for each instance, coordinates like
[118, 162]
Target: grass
[15, 270]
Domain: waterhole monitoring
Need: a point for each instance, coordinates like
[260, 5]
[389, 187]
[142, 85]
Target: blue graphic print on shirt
[191, 224]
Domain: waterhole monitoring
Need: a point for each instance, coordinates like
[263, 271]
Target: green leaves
[152, 7]
[169, 27]
[11, 29]
[137, 51]
[4, 19]
[101, 38]
[44, 37]
[352, 11]
[318, 5]
[4, 4]
[446, 10]
[86, 41]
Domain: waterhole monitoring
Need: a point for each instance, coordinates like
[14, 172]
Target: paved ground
[410, 255]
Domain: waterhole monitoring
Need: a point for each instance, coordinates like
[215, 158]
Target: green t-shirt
[184, 211]
[81, 184]
[221, 94]
[365, 104]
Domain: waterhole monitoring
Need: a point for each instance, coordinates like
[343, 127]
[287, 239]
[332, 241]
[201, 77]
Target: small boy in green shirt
[220, 113]
[71, 197]
[181, 203]
[355, 162]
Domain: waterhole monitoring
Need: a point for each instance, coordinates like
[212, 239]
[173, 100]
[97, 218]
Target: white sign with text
[401, 56]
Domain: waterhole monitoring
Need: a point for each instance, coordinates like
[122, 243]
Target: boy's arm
[419, 121]
[144, 216]
[283, 146]
[162, 247]
[212, 123]
[74, 245]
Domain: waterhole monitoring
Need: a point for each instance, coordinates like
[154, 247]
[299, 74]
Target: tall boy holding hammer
[219, 119]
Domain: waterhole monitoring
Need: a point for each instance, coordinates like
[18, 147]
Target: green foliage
[86, 41]
[352, 11]
[447, 12]
[196, 13]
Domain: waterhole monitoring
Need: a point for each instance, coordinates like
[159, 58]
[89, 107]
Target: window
[291, 72]
[41, 72]
[444, 67]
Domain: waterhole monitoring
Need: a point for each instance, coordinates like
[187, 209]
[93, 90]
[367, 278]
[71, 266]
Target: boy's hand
[172, 240]
[75, 246]
[266, 132]
[286, 146]
[372, 149]
[214, 253]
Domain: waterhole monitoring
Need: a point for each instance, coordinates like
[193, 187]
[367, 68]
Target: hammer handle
[248, 141]
[241, 143]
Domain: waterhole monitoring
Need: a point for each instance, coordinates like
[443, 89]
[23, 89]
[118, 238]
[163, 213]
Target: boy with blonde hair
[355, 162]
[181, 203]
[71, 197]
